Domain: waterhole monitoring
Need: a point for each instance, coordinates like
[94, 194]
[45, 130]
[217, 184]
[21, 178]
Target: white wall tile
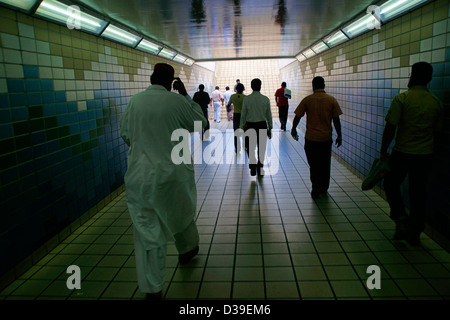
[439, 41]
[426, 44]
[59, 85]
[26, 30]
[44, 60]
[57, 61]
[69, 74]
[440, 27]
[29, 58]
[12, 56]
[71, 95]
[438, 56]
[81, 105]
[13, 71]
[45, 72]
[42, 47]
[10, 41]
[28, 44]
[58, 73]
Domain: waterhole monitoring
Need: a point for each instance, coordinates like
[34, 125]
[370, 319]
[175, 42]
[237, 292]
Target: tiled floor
[260, 239]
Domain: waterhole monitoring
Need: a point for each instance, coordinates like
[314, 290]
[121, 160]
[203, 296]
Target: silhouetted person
[237, 100]
[237, 82]
[203, 99]
[161, 196]
[216, 102]
[321, 109]
[283, 105]
[256, 114]
[417, 116]
[226, 97]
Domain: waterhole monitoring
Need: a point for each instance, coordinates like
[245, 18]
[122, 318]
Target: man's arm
[337, 126]
[388, 136]
[295, 123]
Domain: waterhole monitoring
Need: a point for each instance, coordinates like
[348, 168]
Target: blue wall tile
[31, 72]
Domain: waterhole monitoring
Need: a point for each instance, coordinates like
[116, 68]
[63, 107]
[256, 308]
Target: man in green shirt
[417, 117]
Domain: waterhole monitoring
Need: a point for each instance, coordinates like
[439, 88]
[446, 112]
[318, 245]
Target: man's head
[217, 87]
[283, 84]
[227, 88]
[240, 88]
[318, 83]
[256, 84]
[163, 74]
[201, 87]
[421, 74]
[237, 80]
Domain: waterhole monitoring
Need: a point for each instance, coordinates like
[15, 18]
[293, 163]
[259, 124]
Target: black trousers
[236, 124]
[205, 113]
[417, 167]
[318, 155]
[253, 130]
[283, 113]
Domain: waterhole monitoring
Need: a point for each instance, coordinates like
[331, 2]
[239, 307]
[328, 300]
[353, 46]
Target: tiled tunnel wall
[364, 75]
[61, 96]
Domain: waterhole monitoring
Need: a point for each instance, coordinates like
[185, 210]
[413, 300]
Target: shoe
[154, 296]
[186, 257]
[413, 239]
[400, 232]
[260, 171]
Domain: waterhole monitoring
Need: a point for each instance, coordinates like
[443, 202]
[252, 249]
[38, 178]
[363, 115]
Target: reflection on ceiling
[207, 30]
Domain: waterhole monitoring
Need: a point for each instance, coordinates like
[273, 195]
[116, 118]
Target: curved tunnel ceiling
[208, 30]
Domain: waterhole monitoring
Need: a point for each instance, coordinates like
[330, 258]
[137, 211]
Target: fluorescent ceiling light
[117, 34]
[393, 8]
[308, 53]
[167, 53]
[148, 46]
[189, 62]
[300, 57]
[71, 16]
[179, 58]
[335, 39]
[319, 47]
[367, 22]
[21, 4]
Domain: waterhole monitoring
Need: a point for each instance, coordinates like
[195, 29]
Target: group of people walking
[162, 196]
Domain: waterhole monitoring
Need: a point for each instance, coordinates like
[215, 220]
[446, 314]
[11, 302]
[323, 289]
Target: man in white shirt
[226, 97]
[216, 101]
[257, 115]
[161, 195]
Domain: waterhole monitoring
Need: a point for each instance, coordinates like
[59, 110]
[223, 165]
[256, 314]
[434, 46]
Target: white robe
[161, 195]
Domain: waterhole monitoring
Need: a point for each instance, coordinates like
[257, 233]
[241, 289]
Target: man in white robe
[161, 195]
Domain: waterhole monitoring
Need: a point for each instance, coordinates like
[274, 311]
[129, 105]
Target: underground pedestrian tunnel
[67, 72]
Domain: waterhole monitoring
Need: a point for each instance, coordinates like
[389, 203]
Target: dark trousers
[318, 155]
[283, 113]
[417, 167]
[205, 113]
[260, 145]
[236, 124]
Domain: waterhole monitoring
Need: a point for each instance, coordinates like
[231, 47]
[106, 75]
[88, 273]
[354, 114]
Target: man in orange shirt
[321, 109]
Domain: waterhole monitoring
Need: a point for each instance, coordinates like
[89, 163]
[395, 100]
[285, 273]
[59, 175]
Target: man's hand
[178, 85]
[269, 134]
[338, 141]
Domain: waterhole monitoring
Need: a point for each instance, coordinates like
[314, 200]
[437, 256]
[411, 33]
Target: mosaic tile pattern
[62, 93]
[364, 75]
